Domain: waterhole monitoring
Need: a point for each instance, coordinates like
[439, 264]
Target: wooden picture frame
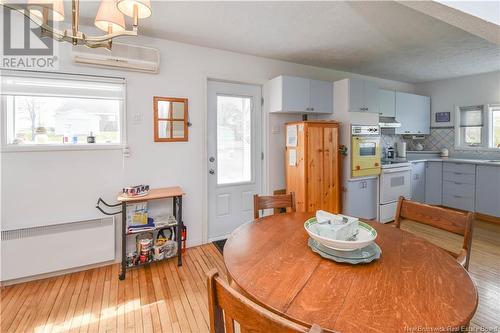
[170, 119]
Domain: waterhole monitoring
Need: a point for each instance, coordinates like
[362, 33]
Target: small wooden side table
[175, 193]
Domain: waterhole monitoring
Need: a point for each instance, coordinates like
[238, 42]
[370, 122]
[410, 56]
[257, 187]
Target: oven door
[395, 182]
[365, 152]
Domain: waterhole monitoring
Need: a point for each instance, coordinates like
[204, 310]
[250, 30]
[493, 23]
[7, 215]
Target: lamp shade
[56, 8]
[109, 18]
[127, 7]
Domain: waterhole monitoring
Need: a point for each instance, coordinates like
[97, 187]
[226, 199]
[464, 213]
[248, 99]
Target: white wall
[446, 95]
[56, 187]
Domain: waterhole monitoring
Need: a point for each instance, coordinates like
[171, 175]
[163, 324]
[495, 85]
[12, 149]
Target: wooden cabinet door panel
[296, 175]
[314, 168]
[330, 170]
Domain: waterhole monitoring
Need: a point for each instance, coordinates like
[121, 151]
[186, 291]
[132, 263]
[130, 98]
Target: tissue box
[337, 229]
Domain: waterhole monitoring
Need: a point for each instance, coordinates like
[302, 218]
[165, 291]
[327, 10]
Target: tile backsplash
[438, 139]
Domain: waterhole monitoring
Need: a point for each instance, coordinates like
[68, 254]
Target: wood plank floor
[157, 298]
[165, 298]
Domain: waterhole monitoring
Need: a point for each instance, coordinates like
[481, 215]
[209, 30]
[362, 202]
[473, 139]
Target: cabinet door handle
[457, 173]
[457, 196]
[457, 183]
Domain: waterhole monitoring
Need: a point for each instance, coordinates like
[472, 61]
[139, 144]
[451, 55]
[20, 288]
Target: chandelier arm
[73, 35]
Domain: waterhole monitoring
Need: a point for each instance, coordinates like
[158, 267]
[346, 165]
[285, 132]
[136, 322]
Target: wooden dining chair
[278, 202]
[227, 306]
[460, 223]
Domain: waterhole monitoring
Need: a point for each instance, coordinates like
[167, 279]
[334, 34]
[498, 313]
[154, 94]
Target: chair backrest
[273, 201]
[460, 223]
[226, 305]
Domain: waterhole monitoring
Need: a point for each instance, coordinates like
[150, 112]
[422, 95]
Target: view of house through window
[60, 111]
[62, 120]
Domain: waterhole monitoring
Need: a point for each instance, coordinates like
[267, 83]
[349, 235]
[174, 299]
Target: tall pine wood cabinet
[313, 165]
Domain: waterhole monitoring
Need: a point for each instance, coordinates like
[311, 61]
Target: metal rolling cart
[174, 193]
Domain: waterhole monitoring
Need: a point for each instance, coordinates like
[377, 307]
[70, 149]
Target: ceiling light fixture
[110, 18]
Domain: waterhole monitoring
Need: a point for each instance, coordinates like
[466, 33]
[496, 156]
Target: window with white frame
[478, 126]
[495, 126]
[49, 110]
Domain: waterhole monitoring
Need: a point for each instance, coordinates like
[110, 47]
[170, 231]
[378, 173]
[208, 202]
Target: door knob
[212, 159]
[211, 171]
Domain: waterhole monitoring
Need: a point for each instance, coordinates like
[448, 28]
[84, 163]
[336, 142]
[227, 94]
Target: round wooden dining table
[415, 286]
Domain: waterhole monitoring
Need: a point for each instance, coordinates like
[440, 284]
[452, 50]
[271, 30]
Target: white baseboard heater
[52, 248]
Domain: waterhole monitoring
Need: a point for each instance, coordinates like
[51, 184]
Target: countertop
[456, 160]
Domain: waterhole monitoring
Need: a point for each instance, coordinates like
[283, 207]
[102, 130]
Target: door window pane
[234, 151]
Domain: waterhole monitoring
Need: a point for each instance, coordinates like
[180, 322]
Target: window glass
[472, 135]
[62, 120]
[234, 155]
[62, 110]
[495, 116]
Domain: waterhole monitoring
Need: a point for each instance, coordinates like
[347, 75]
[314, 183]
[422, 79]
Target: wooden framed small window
[170, 119]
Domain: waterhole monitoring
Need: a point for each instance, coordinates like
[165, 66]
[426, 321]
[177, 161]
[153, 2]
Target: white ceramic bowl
[366, 236]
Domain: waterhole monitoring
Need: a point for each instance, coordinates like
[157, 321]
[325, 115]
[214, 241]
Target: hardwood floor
[164, 298]
[156, 298]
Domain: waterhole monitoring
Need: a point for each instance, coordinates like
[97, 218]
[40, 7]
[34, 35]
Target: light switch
[137, 118]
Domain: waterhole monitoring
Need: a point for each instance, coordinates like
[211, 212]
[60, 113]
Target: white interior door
[234, 155]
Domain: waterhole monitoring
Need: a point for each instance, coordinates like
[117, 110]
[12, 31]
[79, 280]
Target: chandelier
[110, 18]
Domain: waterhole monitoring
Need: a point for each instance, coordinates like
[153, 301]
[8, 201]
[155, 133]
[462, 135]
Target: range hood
[388, 122]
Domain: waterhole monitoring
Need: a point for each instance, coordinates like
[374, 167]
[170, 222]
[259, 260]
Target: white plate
[366, 236]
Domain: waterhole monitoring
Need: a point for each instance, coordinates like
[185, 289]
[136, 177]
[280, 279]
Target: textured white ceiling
[383, 39]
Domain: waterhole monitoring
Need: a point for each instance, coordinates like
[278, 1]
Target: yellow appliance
[365, 150]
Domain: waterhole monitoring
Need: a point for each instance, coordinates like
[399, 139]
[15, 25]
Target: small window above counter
[289, 94]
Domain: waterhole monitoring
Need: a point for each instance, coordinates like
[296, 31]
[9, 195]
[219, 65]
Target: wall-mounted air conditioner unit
[122, 56]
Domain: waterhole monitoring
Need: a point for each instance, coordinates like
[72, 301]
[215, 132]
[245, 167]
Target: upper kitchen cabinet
[363, 96]
[387, 103]
[290, 94]
[414, 113]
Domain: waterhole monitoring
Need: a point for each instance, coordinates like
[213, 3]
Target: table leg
[179, 231]
[123, 267]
